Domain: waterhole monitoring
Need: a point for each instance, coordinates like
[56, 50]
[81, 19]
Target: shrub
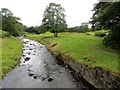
[100, 34]
[4, 34]
[87, 33]
[112, 40]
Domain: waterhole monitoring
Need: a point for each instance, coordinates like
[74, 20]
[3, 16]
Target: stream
[38, 68]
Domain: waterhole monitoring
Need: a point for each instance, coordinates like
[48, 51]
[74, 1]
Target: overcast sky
[31, 11]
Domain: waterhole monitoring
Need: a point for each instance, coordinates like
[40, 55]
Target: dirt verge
[96, 76]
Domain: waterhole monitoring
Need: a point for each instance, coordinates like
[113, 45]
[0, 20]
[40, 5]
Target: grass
[0, 58]
[11, 53]
[87, 49]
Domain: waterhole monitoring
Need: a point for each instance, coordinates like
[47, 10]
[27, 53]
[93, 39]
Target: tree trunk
[56, 34]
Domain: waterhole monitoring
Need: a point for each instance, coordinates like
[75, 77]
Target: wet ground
[39, 69]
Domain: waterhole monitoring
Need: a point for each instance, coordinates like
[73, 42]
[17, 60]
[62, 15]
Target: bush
[4, 34]
[100, 34]
[87, 33]
[112, 40]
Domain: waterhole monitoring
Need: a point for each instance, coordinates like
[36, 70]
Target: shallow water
[39, 69]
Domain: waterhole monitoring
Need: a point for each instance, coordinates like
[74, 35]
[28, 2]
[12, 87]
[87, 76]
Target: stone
[50, 79]
[30, 49]
[27, 58]
[34, 77]
[43, 78]
[29, 53]
[24, 55]
[29, 70]
[30, 74]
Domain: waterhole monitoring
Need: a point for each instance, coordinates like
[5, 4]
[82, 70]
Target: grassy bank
[11, 53]
[0, 58]
[87, 49]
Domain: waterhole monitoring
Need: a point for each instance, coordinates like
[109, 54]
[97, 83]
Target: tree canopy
[54, 19]
[107, 15]
[81, 29]
[11, 23]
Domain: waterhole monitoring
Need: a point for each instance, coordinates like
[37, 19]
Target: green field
[87, 49]
[11, 53]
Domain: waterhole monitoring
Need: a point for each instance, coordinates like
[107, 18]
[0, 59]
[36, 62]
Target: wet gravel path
[39, 69]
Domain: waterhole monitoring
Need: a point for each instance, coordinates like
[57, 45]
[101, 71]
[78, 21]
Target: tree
[11, 23]
[54, 19]
[107, 15]
[31, 29]
[19, 28]
[39, 29]
[6, 12]
[84, 27]
[0, 20]
[81, 29]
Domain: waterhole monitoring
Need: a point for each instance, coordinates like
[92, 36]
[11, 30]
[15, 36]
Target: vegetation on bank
[0, 58]
[11, 23]
[4, 34]
[11, 53]
[106, 15]
[83, 47]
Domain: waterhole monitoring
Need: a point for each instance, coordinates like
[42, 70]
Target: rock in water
[50, 79]
[34, 77]
[30, 74]
[27, 58]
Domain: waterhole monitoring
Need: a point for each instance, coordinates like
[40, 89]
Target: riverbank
[11, 53]
[97, 76]
[87, 51]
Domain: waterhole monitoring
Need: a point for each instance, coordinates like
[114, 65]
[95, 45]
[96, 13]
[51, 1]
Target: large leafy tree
[11, 23]
[107, 15]
[54, 19]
